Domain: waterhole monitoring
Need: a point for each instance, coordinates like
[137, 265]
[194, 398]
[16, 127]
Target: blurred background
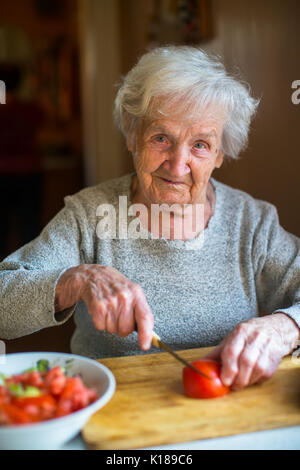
[61, 61]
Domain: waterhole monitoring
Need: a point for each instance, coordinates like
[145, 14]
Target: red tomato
[42, 401]
[4, 395]
[41, 407]
[33, 378]
[11, 414]
[197, 386]
[64, 407]
[55, 380]
[74, 397]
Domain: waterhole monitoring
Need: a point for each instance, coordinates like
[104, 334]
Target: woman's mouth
[173, 183]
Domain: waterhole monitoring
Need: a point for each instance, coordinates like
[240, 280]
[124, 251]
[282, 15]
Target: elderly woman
[181, 114]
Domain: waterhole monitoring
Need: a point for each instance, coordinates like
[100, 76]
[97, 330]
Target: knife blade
[157, 342]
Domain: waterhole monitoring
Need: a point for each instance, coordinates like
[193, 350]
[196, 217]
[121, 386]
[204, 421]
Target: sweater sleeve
[277, 260]
[29, 276]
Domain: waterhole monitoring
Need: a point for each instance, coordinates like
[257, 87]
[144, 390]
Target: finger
[259, 372]
[126, 320]
[144, 320]
[112, 314]
[229, 358]
[144, 327]
[110, 323]
[246, 364]
[264, 368]
[260, 364]
[98, 311]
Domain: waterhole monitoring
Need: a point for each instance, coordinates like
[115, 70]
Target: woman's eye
[200, 146]
[160, 139]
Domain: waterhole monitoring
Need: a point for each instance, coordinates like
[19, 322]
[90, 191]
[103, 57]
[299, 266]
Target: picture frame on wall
[180, 22]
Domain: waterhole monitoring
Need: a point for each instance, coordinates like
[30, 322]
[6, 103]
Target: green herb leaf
[42, 365]
[31, 391]
[16, 389]
[68, 366]
[2, 379]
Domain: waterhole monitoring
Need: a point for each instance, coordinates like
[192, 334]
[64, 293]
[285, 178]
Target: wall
[61, 176]
[259, 37]
[101, 69]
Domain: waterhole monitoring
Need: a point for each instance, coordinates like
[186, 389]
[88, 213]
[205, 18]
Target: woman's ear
[131, 143]
[132, 147]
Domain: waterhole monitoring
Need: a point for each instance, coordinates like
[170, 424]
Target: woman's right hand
[115, 304]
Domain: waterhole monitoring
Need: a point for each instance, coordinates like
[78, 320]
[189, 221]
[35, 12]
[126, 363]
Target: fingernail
[226, 381]
[147, 345]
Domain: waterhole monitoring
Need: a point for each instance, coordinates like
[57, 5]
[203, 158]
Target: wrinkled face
[174, 159]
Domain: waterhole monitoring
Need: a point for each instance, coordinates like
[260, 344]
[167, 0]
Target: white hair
[185, 79]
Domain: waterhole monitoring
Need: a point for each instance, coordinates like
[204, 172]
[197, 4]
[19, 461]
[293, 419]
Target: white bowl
[54, 433]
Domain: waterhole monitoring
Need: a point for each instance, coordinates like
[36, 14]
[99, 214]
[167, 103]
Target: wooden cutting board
[150, 409]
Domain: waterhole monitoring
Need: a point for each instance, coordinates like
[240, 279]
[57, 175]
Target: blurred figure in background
[20, 164]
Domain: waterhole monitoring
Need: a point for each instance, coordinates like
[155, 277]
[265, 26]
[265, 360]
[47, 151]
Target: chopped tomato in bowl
[45, 402]
[42, 393]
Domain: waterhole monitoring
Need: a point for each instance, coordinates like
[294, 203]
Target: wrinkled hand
[115, 304]
[252, 352]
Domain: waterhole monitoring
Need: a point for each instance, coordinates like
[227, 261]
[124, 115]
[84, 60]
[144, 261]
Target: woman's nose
[177, 162]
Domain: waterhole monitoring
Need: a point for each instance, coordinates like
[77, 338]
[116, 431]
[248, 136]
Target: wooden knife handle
[155, 340]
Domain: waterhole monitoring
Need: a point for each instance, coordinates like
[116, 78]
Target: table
[275, 439]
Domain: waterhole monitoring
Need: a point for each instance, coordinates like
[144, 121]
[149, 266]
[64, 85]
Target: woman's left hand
[252, 352]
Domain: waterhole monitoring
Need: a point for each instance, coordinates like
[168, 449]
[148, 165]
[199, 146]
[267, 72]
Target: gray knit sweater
[198, 290]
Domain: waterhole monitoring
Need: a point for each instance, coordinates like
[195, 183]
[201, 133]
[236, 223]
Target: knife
[157, 342]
